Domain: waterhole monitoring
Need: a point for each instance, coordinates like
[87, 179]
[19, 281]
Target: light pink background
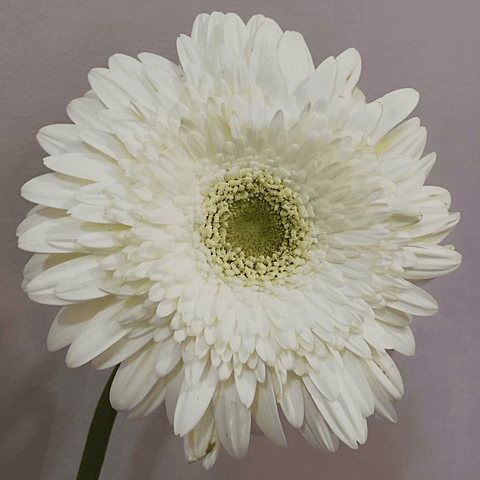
[47, 48]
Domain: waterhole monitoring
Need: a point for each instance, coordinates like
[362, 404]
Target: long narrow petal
[193, 401]
[173, 383]
[78, 272]
[322, 82]
[292, 402]
[150, 402]
[85, 113]
[196, 442]
[342, 415]
[265, 412]
[102, 332]
[52, 190]
[134, 379]
[121, 350]
[87, 166]
[246, 385]
[349, 65]
[61, 138]
[397, 106]
[315, 429]
[72, 320]
[169, 354]
[294, 58]
[326, 380]
[433, 261]
[232, 419]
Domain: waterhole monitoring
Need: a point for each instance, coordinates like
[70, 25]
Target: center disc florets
[255, 227]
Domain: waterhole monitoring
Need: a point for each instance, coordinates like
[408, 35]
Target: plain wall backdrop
[47, 48]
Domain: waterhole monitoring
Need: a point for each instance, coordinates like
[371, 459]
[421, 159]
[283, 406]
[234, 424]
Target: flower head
[239, 231]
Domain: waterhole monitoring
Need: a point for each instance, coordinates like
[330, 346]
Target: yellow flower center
[253, 226]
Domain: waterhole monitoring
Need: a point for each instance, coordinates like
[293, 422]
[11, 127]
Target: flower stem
[98, 435]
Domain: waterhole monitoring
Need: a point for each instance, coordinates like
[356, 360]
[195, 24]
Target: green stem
[98, 435]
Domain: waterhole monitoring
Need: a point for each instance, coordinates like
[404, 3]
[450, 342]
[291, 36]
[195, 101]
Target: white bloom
[240, 231]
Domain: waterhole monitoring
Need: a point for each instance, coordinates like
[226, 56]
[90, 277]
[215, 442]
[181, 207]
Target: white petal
[191, 57]
[354, 373]
[399, 338]
[407, 139]
[433, 261]
[36, 216]
[292, 401]
[88, 166]
[394, 168]
[96, 336]
[85, 113]
[213, 450]
[70, 275]
[294, 58]
[197, 441]
[315, 429]
[116, 91]
[326, 379]
[357, 345]
[322, 81]
[67, 234]
[195, 369]
[394, 317]
[441, 232]
[342, 415]
[193, 401]
[431, 223]
[87, 288]
[386, 374]
[52, 190]
[375, 335]
[121, 350]
[235, 34]
[397, 106]
[61, 138]
[431, 197]
[126, 66]
[246, 384]
[150, 402]
[94, 194]
[39, 263]
[349, 65]
[265, 412]
[72, 320]
[92, 214]
[264, 46]
[200, 29]
[365, 119]
[173, 384]
[165, 78]
[101, 239]
[35, 230]
[134, 379]
[153, 59]
[105, 143]
[232, 420]
[383, 406]
[169, 354]
[409, 298]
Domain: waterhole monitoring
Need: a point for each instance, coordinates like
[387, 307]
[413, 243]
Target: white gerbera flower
[240, 231]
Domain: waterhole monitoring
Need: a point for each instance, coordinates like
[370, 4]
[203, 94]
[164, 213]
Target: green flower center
[253, 227]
